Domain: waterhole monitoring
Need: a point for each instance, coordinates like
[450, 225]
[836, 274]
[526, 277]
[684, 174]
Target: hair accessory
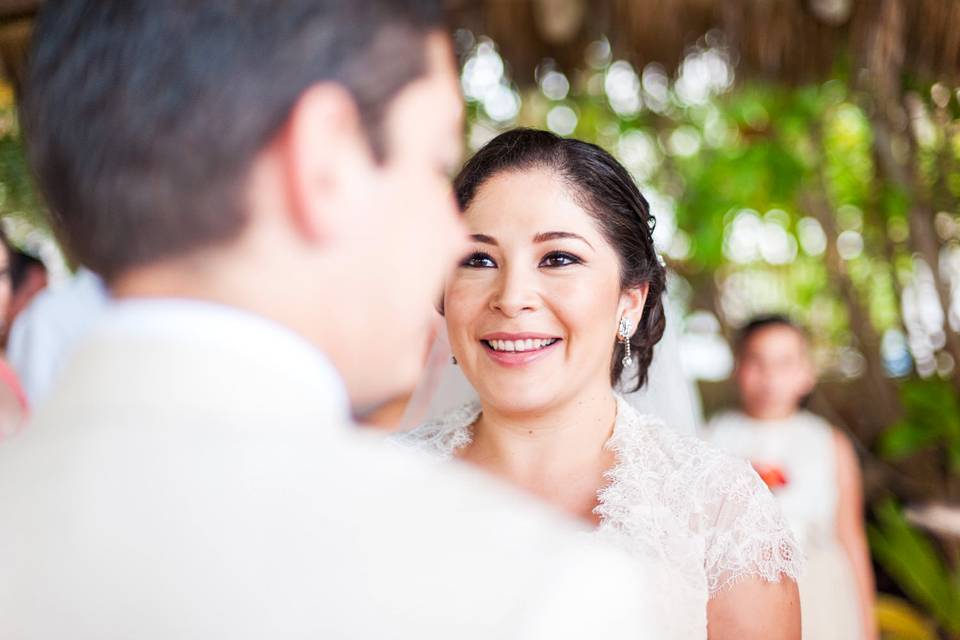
[651, 227]
[624, 335]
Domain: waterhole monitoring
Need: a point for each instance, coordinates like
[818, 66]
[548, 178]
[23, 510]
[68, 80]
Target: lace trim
[750, 536]
[674, 496]
[689, 488]
[444, 435]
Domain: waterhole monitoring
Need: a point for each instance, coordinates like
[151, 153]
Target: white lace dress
[696, 518]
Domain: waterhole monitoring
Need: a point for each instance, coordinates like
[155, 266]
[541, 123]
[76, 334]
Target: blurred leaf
[906, 438]
[915, 564]
[931, 416]
[897, 620]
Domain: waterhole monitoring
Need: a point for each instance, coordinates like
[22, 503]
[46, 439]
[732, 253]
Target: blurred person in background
[811, 468]
[44, 333]
[29, 277]
[264, 188]
[13, 400]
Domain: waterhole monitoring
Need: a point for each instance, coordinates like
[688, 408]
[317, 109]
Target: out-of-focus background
[800, 156]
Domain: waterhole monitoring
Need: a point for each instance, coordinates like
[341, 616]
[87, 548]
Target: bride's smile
[518, 349]
[532, 310]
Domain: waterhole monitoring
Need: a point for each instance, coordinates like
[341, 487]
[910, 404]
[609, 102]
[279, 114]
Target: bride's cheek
[574, 293]
[466, 293]
[461, 310]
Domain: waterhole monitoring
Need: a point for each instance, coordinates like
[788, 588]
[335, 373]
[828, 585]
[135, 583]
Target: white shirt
[43, 335]
[207, 324]
[192, 475]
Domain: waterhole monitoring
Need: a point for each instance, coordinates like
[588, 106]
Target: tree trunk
[884, 54]
[884, 406]
[923, 239]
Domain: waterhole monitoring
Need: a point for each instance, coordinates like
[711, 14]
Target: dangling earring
[453, 360]
[624, 336]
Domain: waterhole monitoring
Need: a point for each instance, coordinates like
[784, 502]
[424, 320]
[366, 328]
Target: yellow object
[899, 620]
[6, 94]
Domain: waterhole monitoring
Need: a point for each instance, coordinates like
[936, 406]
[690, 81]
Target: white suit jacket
[193, 475]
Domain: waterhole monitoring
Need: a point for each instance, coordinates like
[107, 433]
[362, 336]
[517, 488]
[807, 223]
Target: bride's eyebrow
[483, 239]
[546, 236]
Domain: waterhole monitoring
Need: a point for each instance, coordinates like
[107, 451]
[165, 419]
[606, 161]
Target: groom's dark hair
[143, 117]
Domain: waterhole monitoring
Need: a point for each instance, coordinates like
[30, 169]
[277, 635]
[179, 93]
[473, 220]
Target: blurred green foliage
[20, 207]
[917, 565]
[931, 420]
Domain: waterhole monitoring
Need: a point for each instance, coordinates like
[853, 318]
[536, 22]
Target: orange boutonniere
[772, 475]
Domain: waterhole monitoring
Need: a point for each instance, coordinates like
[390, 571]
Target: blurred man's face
[408, 233]
[774, 372]
[6, 285]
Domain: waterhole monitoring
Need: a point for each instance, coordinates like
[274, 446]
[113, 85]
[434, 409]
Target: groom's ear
[325, 158]
[632, 301]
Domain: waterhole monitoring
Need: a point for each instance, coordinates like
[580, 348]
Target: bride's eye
[559, 259]
[478, 260]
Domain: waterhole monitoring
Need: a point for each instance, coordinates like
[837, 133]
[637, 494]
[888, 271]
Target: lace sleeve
[444, 435]
[749, 536]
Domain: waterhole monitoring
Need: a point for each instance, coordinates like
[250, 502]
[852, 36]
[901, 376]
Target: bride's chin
[509, 399]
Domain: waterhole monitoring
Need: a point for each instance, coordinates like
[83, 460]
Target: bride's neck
[533, 447]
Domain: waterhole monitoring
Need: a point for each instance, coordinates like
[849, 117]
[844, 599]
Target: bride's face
[533, 309]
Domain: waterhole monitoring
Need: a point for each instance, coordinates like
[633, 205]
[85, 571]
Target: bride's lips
[518, 358]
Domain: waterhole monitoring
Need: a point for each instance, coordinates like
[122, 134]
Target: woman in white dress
[813, 472]
[559, 293]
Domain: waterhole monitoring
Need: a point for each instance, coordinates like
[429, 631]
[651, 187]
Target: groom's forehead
[429, 111]
[441, 78]
[442, 64]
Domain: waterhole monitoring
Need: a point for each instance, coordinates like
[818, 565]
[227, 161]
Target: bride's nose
[514, 293]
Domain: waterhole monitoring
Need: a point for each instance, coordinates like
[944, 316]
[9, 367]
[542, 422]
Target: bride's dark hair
[604, 188]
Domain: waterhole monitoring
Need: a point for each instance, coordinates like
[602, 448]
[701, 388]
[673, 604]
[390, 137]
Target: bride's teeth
[530, 344]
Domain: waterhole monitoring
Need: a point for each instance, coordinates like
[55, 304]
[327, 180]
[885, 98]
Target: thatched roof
[18, 8]
[15, 20]
[788, 40]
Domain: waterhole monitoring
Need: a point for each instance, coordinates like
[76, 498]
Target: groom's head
[292, 157]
